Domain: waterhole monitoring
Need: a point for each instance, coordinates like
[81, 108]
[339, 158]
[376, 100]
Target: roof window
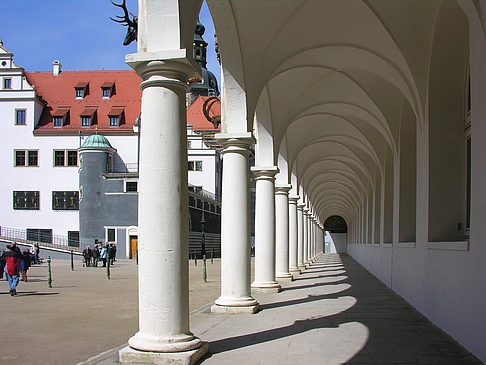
[60, 117]
[107, 90]
[116, 116]
[88, 117]
[81, 90]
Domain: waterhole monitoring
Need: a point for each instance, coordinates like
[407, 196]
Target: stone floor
[334, 313]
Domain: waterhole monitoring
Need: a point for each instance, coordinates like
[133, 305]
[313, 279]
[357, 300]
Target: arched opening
[336, 235]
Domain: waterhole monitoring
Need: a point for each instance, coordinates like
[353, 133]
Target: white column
[265, 230]
[235, 233]
[293, 236]
[282, 233]
[163, 233]
[306, 236]
[300, 237]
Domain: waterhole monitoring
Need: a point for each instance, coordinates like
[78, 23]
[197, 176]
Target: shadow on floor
[398, 334]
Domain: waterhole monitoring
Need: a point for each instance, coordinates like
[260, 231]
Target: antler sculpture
[132, 24]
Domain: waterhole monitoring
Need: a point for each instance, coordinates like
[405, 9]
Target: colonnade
[288, 236]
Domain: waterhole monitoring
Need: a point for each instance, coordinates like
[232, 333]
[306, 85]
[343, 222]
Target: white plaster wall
[335, 242]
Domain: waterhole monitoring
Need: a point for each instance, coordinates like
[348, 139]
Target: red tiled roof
[58, 94]
[195, 115]
[58, 91]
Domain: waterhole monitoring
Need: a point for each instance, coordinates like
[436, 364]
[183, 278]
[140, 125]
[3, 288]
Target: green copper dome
[96, 141]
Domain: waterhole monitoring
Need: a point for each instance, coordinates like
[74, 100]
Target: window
[188, 145]
[59, 158]
[194, 165]
[40, 235]
[116, 115]
[32, 158]
[85, 121]
[113, 121]
[26, 200]
[7, 83]
[60, 117]
[107, 89]
[57, 121]
[72, 158]
[73, 238]
[20, 116]
[65, 200]
[81, 90]
[65, 158]
[110, 235]
[19, 158]
[26, 158]
[131, 186]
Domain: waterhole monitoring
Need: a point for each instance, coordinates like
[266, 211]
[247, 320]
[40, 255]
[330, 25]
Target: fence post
[49, 276]
[72, 261]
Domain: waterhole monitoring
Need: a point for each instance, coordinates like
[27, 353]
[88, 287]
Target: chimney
[56, 68]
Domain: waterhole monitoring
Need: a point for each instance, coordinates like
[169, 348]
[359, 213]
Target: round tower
[96, 159]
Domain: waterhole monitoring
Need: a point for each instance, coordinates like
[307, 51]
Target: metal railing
[46, 241]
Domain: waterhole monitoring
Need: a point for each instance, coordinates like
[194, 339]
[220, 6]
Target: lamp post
[203, 248]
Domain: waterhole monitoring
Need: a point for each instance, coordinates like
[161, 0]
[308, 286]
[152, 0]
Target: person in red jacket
[12, 257]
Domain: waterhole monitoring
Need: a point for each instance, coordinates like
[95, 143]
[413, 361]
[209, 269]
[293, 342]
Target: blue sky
[78, 33]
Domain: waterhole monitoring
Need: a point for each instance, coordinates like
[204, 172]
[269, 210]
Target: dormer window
[88, 117]
[115, 116]
[81, 90]
[59, 117]
[107, 90]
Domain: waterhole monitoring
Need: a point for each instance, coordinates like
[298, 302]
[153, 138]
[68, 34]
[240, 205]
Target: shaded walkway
[335, 313]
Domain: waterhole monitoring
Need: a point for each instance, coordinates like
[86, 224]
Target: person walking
[87, 255]
[12, 257]
[25, 259]
[95, 253]
[103, 254]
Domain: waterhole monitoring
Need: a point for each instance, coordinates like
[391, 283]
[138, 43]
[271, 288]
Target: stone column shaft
[163, 233]
[306, 236]
[300, 237]
[265, 230]
[293, 236]
[282, 233]
[235, 239]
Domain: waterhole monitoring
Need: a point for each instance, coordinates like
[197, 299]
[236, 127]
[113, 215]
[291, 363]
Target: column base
[265, 287]
[285, 278]
[226, 309]
[302, 268]
[295, 271]
[230, 305]
[128, 355]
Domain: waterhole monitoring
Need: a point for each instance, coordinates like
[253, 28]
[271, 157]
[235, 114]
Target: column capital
[306, 210]
[164, 68]
[300, 206]
[293, 199]
[282, 189]
[265, 172]
[243, 140]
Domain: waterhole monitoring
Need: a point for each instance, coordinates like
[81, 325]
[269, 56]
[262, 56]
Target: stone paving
[334, 313]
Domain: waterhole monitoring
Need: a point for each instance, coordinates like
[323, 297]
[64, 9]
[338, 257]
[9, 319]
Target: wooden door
[133, 247]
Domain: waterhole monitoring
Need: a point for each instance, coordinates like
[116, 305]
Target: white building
[46, 116]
